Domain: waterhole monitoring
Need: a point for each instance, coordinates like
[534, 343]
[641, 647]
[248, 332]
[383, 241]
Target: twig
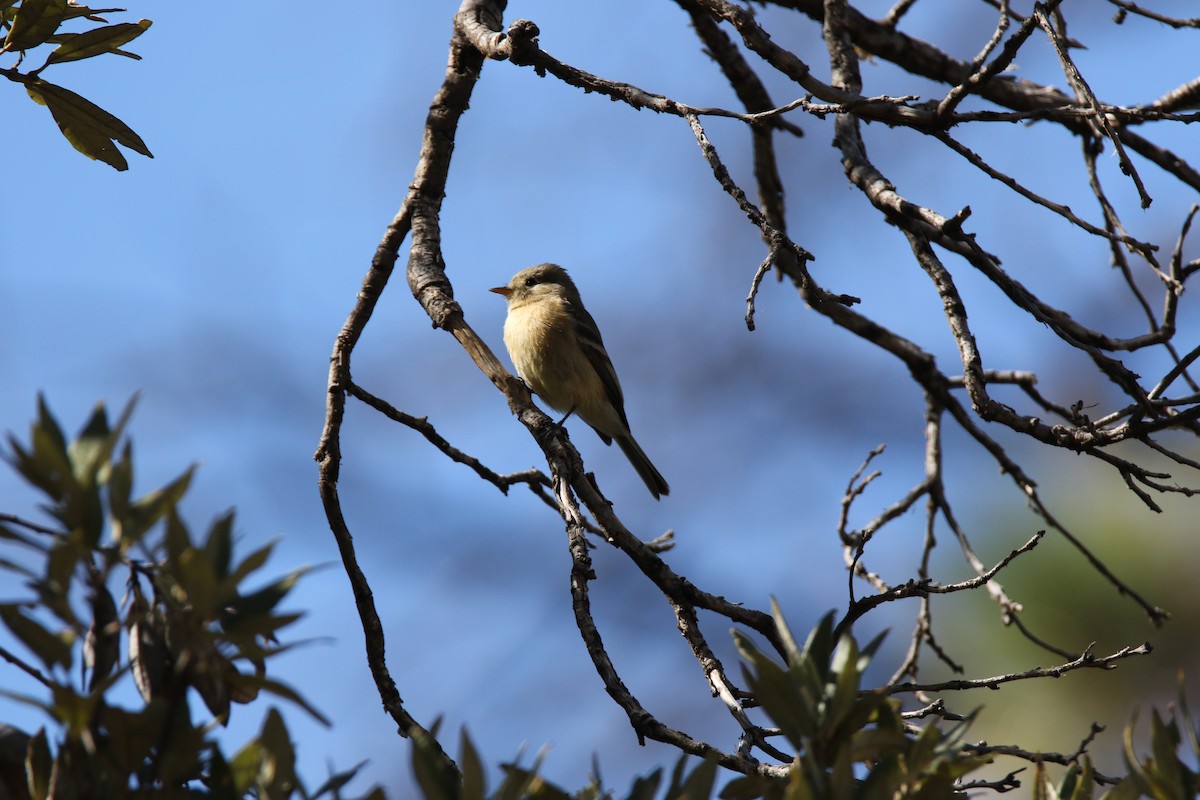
[1085, 661]
[984, 749]
[759, 274]
[1134, 8]
[981, 73]
[422, 426]
[13, 519]
[1075, 77]
[22, 665]
[1062, 210]
[427, 189]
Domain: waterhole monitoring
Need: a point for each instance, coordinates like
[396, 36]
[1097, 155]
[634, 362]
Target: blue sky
[213, 278]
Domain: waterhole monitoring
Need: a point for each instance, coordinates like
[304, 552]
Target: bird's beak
[504, 290]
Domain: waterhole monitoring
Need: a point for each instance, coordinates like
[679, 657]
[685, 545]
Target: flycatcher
[556, 347]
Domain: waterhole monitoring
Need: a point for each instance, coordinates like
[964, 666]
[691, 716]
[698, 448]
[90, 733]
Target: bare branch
[421, 425]
[1085, 661]
[940, 246]
[1089, 98]
[1134, 8]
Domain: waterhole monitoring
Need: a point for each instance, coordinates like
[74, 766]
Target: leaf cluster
[849, 743]
[439, 781]
[1162, 775]
[186, 628]
[33, 24]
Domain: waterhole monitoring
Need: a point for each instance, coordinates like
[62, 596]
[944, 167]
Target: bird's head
[532, 283]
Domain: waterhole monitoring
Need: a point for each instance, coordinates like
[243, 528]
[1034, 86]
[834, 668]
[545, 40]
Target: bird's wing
[588, 335]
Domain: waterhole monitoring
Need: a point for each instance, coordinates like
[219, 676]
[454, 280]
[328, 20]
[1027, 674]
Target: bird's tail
[653, 480]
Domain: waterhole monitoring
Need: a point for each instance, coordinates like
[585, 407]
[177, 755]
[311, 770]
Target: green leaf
[645, 787]
[36, 21]
[91, 447]
[244, 631]
[245, 767]
[923, 749]
[54, 464]
[841, 776]
[874, 744]
[844, 671]
[181, 762]
[242, 687]
[45, 464]
[61, 562]
[1079, 783]
[807, 781]
[89, 454]
[677, 773]
[98, 41]
[515, 785]
[178, 541]
[279, 777]
[474, 779]
[89, 128]
[818, 648]
[1142, 781]
[542, 789]
[194, 577]
[74, 11]
[336, 781]
[49, 425]
[102, 645]
[699, 784]
[54, 650]
[38, 765]
[778, 693]
[791, 650]
[183, 759]
[883, 779]
[220, 777]
[868, 651]
[438, 781]
[1125, 790]
[219, 545]
[84, 513]
[150, 508]
[1164, 744]
[74, 710]
[208, 679]
[247, 609]
[252, 562]
[745, 787]
[288, 693]
[130, 735]
[120, 487]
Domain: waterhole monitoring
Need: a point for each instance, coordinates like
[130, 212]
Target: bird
[557, 350]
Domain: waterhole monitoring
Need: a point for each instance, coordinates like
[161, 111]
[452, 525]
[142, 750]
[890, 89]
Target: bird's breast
[541, 341]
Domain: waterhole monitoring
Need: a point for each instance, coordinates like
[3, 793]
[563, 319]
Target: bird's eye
[531, 281]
